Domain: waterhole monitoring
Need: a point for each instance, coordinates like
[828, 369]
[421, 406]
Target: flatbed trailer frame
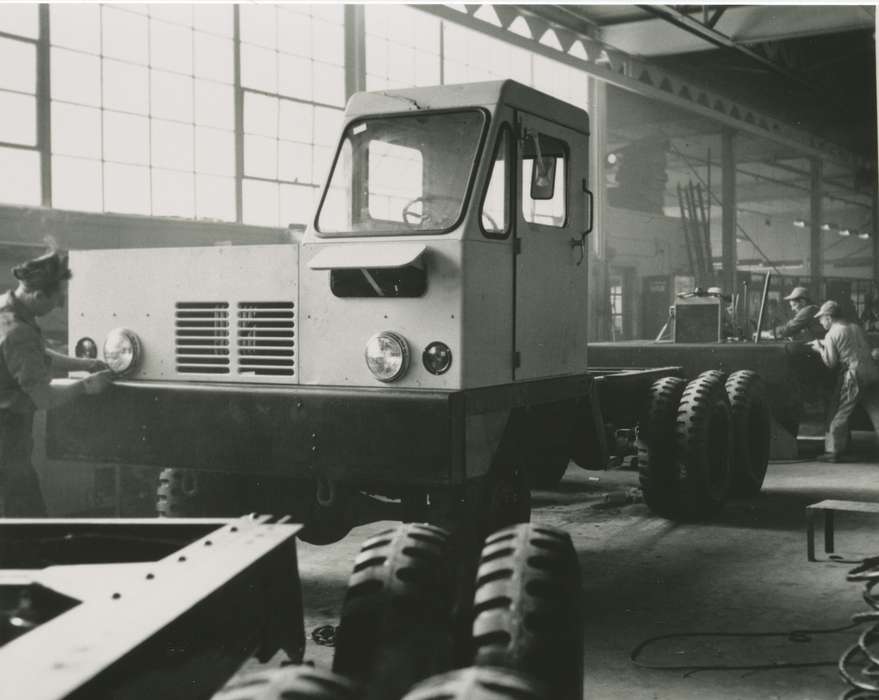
[136, 608]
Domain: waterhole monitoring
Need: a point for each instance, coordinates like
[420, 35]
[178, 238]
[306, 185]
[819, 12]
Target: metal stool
[829, 507]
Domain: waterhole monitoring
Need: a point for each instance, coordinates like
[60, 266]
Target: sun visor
[373, 256]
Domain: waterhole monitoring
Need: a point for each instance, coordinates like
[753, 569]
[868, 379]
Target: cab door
[550, 263]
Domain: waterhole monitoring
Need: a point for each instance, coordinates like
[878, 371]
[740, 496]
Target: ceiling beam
[714, 37]
[744, 24]
[613, 66]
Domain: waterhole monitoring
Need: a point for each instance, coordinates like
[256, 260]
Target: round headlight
[387, 356]
[86, 348]
[437, 358]
[121, 350]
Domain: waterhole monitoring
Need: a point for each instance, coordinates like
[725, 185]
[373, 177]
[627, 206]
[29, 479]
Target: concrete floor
[746, 571]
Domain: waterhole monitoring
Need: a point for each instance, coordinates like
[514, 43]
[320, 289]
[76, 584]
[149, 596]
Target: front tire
[290, 683]
[396, 627]
[526, 609]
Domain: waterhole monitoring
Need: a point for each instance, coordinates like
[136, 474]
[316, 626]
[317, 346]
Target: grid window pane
[213, 58]
[126, 87]
[76, 184]
[170, 47]
[18, 65]
[173, 193]
[215, 197]
[126, 189]
[259, 25]
[19, 176]
[327, 125]
[296, 121]
[259, 68]
[76, 77]
[295, 77]
[329, 84]
[76, 26]
[297, 204]
[124, 35]
[294, 162]
[328, 11]
[214, 105]
[328, 41]
[294, 32]
[260, 203]
[260, 115]
[76, 131]
[214, 151]
[260, 157]
[126, 138]
[19, 121]
[171, 145]
[171, 95]
[20, 18]
[214, 19]
[172, 12]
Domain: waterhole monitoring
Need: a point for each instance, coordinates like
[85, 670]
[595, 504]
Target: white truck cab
[424, 341]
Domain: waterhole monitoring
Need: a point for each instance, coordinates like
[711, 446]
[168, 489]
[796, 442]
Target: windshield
[402, 175]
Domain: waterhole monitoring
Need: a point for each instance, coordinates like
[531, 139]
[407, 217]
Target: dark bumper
[411, 437]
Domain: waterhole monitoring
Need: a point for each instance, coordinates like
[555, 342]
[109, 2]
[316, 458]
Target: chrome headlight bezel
[122, 351]
[387, 356]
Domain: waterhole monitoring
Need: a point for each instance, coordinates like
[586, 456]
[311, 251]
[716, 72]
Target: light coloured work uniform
[846, 347]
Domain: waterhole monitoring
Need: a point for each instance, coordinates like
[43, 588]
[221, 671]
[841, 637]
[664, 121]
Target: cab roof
[488, 94]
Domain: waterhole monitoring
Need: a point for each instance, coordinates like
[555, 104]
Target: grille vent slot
[201, 337]
[266, 338]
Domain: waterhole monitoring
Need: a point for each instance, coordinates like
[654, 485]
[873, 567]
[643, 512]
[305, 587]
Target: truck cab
[422, 345]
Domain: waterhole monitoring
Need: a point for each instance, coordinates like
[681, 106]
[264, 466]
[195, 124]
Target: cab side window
[544, 180]
[494, 219]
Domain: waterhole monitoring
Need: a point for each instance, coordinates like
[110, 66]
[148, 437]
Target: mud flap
[589, 449]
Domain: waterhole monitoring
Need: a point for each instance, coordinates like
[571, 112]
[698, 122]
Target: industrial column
[599, 294]
[355, 49]
[729, 256]
[816, 218]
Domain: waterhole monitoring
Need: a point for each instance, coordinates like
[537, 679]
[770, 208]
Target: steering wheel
[414, 219]
[492, 224]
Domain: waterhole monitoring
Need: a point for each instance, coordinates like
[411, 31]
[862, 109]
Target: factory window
[402, 47]
[143, 109]
[616, 307]
[293, 77]
[470, 56]
[19, 156]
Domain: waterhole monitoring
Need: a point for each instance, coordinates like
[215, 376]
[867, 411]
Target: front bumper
[359, 435]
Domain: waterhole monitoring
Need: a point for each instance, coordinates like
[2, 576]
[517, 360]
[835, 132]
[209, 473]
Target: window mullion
[44, 111]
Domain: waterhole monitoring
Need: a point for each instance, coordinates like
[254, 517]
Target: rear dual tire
[685, 438]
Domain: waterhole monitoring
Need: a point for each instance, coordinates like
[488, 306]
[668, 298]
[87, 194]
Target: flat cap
[828, 308]
[797, 293]
[44, 272]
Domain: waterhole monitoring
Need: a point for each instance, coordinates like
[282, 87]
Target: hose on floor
[859, 664]
[798, 636]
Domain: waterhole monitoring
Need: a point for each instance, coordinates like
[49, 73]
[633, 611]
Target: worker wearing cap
[26, 377]
[803, 326]
[846, 347]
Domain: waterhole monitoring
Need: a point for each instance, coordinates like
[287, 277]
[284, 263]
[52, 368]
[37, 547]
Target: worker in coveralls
[26, 377]
[845, 347]
[803, 325]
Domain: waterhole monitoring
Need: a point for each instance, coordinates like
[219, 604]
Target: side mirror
[543, 178]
